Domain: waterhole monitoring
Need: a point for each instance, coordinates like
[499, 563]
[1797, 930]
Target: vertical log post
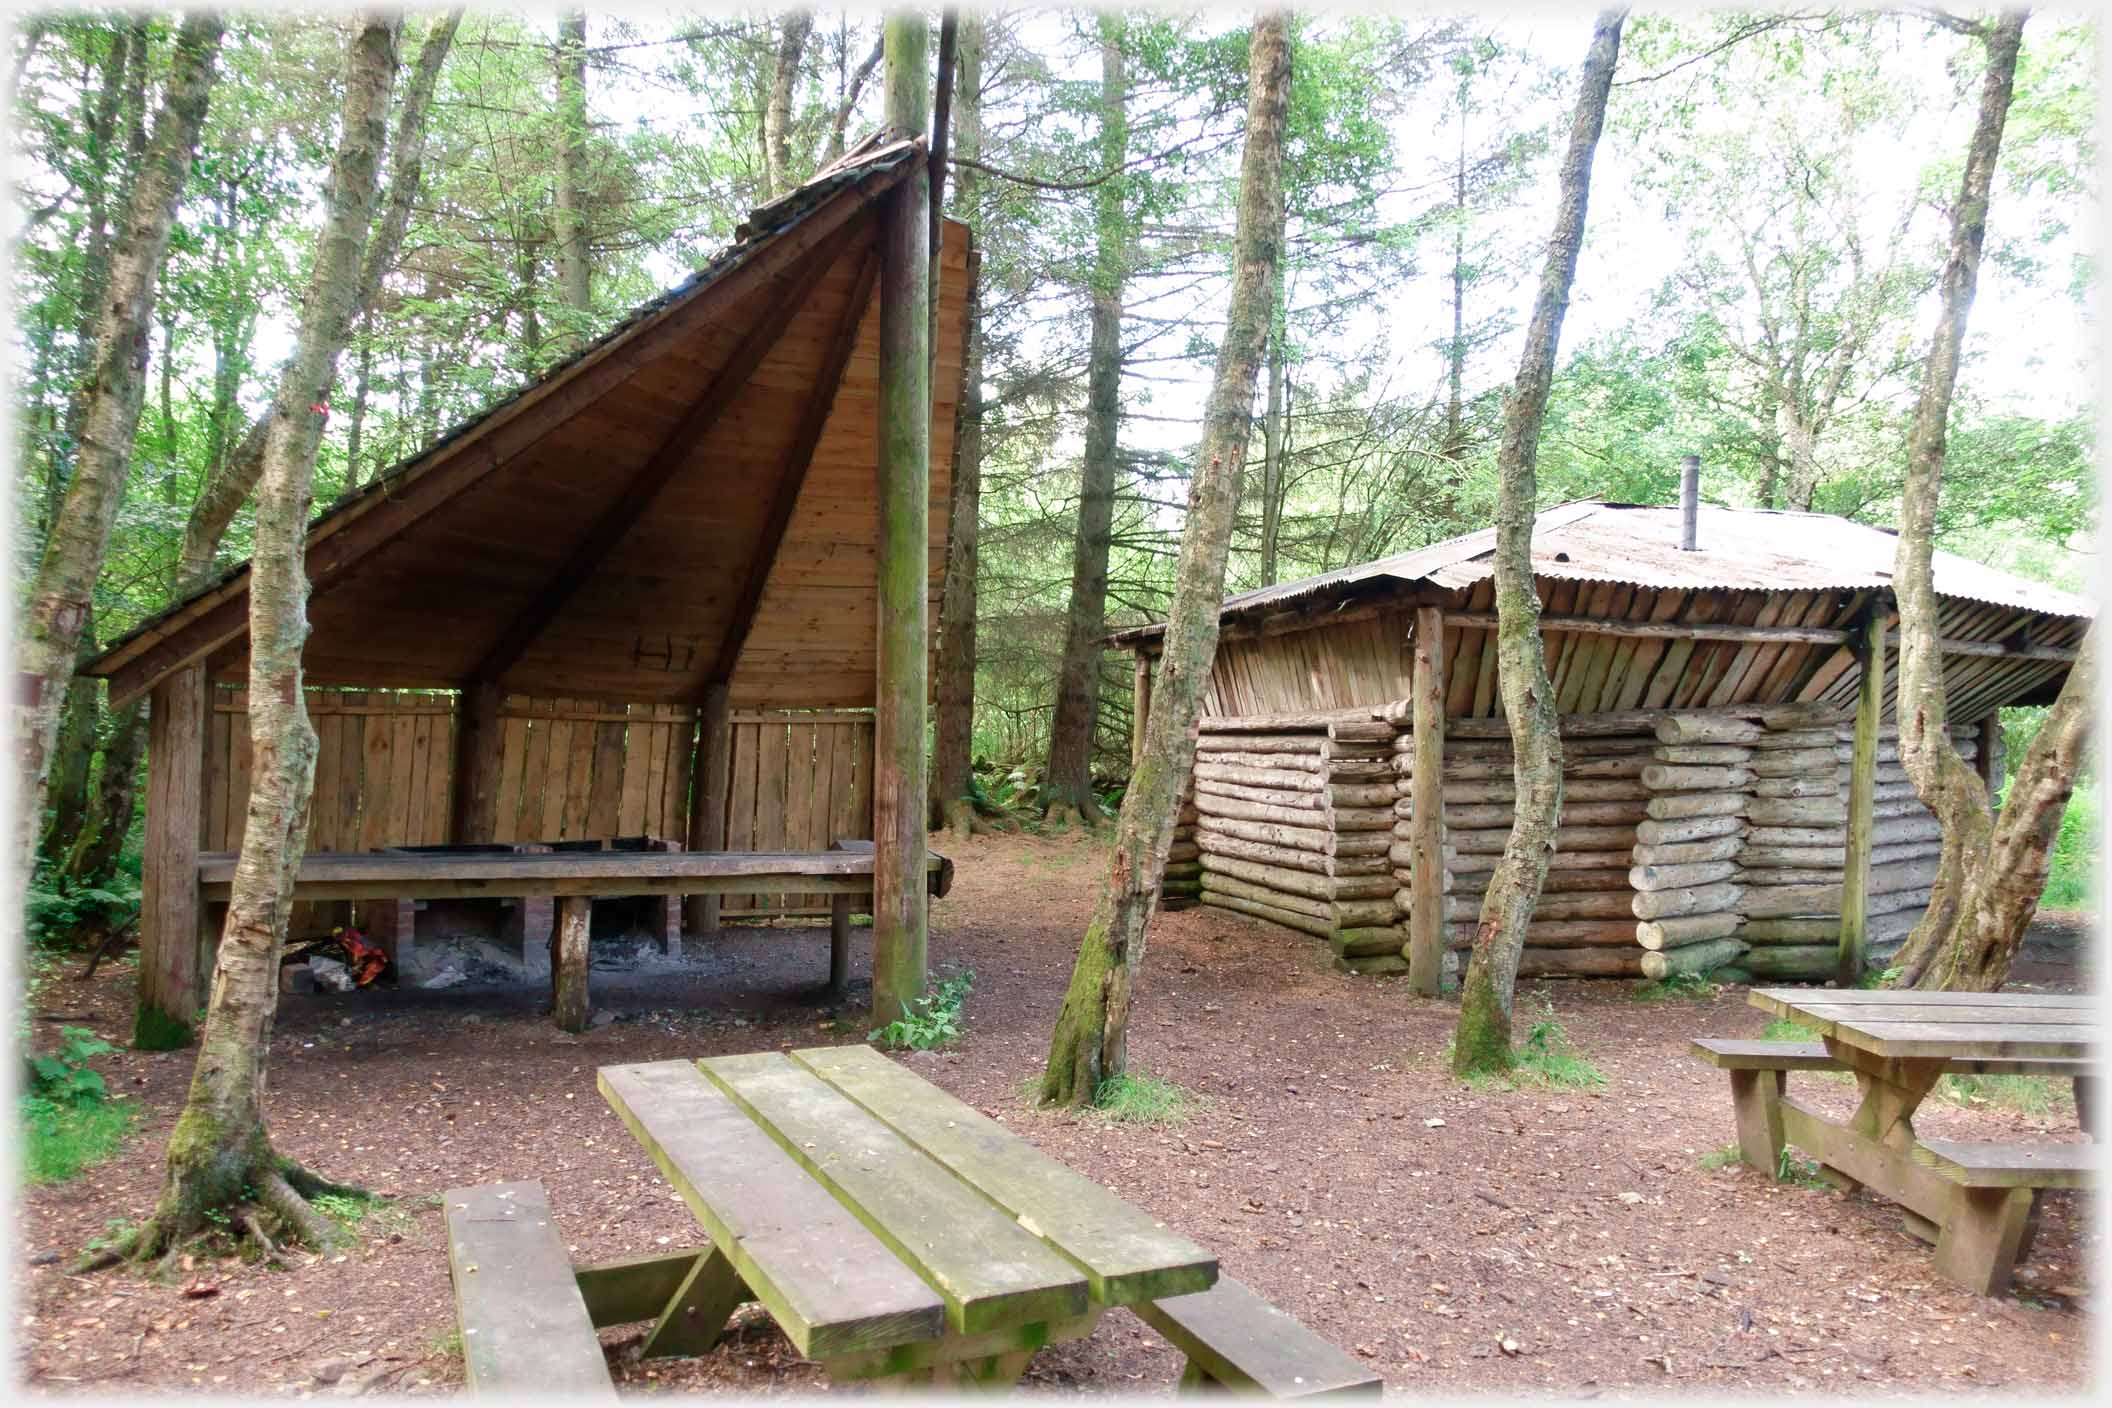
[1862, 794]
[568, 963]
[171, 918]
[839, 944]
[1991, 763]
[900, 909]
[1139, 710]
[709, 780]
[1426, 787]
[473, 806]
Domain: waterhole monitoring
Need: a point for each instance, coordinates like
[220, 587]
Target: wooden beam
[480, 745]
[1862, 792]
[344, 538]
[792, 473]
[709, 781]
[1668, 630]
[784, 296]
[1426, 913]
[1998, 649]
[171, 914]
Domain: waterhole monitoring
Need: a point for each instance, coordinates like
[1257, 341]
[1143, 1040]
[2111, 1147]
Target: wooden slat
[990, 1271]
[550, 824]
[525, 1327]
[440, 780]
[2012, 1165]
[829, 1283]
[1903, 1040]
[1244, 1343]
[604, 807]
[1126, 1254]
[579, 781]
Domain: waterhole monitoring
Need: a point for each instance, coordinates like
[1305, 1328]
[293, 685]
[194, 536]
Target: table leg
[693, 1318]
[993, 1373]
[1984, 1236]
[2086, 1098]
[1756, 1102]
[839, 944]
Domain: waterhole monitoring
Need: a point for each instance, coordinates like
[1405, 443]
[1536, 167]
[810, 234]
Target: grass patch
[1722, 1158]
[1784, 1029]
[1135, 1099]
[931, 1021]
[60, 1140]
[1802, 1172]
[1545, 1060]
[2030, 1095]
[1694, 987]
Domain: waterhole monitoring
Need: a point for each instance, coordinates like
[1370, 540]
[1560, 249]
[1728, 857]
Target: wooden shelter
[1733, 797]
[662, 549]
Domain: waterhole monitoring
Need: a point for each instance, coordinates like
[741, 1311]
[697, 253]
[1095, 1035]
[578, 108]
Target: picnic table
[894, 1234]
[1977, 1202]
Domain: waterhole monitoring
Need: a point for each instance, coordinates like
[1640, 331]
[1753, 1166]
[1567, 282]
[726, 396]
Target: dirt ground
[1458, 1240]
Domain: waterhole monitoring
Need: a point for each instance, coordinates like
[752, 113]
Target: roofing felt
[1737, 550]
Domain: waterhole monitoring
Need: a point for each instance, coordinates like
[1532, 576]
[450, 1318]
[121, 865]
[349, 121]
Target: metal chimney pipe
[1689, 500]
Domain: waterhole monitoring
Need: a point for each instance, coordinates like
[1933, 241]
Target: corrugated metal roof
[1738, 550]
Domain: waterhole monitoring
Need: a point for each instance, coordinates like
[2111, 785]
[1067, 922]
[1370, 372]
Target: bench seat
[1235, 1339]
[525, 1327]
[1741, 1054]
[1978, 1165]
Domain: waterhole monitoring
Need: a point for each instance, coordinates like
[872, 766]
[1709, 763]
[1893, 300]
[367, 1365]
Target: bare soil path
[1461, 1240]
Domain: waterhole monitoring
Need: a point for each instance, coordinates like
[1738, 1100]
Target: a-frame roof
[690, 499]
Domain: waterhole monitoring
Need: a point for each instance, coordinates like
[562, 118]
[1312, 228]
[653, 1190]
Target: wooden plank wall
[1327, 667]
[584, 769]
[800, 782]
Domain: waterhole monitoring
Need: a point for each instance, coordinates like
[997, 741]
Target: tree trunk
[777, 114]
[1946, 784]
[220, 1155]
[571, 217]
[93, 857]
[55, 610]
[1090, 1044]
[2000, 897]
[228, 483]
[1483, 1040]
[73, 758]
[1273, 438]
[1067, 785]
[954, 738]
[1456, 351]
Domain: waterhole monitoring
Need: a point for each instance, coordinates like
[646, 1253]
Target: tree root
[282, 1191]
[310, 1226]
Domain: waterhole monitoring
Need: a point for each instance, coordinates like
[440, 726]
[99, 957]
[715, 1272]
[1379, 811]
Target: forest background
[1767, 227]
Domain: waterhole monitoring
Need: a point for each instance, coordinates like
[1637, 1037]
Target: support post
[1862, 795]
[171, 917]
[709, 778]
[568, 963]
[900, 691]
[1139, 710]
[839, 944]
[1426, 789]
[1991, 763]
[473, 805]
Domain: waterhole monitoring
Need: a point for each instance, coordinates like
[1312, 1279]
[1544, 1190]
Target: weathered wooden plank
[985, 1266]
[631, 1288]
[525, 1327]
[1239, 1340]
[828, 1282]
[1126, 1254]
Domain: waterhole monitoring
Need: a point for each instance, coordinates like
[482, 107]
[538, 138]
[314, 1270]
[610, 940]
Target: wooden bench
[1759, 1071]
[525, 1327]
[1991, 1229]
[1236, 1340]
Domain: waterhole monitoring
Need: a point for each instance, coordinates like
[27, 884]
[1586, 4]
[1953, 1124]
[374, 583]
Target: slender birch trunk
[954, 737]
[1945, 784]
[575, 279]
[1067, 782]
[220, 1155]
[1483, 1040]
[777, 113]
[1090, 1045]
[229, 482]
[55, 608]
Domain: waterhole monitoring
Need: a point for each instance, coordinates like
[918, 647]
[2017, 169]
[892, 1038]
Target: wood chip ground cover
[1458, 1240]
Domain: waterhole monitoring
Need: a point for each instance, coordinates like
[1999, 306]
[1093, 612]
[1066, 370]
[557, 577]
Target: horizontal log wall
[1905, 839]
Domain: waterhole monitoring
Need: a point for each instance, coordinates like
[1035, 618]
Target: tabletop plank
[1945, 1013]
[829, 1283]
[1901, 1040]
[1127, 1255]
[1884, 996]
[990, 1272]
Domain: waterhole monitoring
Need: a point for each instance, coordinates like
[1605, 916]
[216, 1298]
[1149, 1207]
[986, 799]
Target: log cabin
[1725, 681]
[631, 609]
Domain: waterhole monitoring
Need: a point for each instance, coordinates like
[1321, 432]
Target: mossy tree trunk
[1945, 783]
[55, 607]
[220, 1156]
[1067, 782]
[1090, 1043]
[954, 735]
[1482, 1042]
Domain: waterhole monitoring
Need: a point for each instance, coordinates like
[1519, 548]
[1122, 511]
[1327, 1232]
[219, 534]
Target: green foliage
[2030, 1095]
[1722, 1158]
[63, 1076]
[1802, 1172]
[1143, 1099]
[57, 913]
[931, 1021]
[2071, 879]
[1694, 987]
